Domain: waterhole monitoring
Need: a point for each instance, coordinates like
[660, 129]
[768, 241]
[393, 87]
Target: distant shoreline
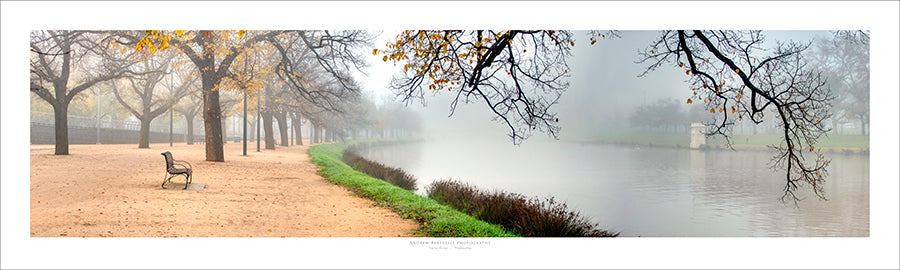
[740, 142]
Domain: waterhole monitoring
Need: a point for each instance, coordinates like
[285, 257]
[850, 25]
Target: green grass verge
[436, 220]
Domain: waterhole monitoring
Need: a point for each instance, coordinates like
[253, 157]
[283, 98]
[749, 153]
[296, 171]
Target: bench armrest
[182, 163]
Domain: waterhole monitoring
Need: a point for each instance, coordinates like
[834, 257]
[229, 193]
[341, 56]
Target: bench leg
[165, 179]
[187, 180]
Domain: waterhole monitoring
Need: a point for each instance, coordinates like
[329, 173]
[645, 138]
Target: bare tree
[736, 78]
[844, 59]
[518, 74]
[317, 65]
[152, 103]
[214, 53]
[62, 66]
[190, 104]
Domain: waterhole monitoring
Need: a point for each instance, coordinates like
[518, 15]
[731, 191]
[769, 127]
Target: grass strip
[436, 220]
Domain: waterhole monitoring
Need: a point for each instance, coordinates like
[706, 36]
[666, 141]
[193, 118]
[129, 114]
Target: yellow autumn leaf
[241, 33]
[375, 51]
[179, 32]
[689, 101]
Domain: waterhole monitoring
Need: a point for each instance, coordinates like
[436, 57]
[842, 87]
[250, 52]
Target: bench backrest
[169, 161]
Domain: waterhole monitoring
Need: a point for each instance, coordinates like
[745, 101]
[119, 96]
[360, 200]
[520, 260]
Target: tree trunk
[312, 132]
[862, 125]
[298, 128]
[212, 123]
[314, 138]
[267, 127]
[318, 132]
[61, 123]
[252, 131]
[224, 130]
[283, 127]
[189, 119]
[144, 141]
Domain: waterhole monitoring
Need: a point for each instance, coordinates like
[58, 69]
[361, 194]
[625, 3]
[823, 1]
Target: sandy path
[114, 191]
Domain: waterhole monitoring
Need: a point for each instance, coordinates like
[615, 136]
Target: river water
[643, 191]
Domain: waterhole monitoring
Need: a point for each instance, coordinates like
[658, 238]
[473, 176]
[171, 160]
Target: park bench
[176, 167]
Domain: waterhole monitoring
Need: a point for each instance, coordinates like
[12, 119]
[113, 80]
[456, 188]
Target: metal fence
[92, 122]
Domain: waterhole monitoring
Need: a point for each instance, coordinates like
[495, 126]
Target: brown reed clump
[528, 217]
[395, 176]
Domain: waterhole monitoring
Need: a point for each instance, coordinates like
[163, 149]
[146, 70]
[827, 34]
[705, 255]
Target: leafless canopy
[318, 65]
[737, 78]
[518, 74]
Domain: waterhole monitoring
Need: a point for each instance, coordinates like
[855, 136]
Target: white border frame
[877, 251]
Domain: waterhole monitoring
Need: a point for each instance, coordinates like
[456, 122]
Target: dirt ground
[114, 191]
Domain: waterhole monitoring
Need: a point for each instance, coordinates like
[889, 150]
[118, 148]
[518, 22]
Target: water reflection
[651, 191]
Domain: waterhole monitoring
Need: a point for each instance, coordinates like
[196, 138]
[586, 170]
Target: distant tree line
[301, 75]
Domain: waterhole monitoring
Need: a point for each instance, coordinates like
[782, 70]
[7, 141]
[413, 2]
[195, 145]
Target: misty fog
[605, 90]
[635, 140]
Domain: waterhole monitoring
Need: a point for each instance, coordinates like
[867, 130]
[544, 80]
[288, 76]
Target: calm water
[651, 191]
